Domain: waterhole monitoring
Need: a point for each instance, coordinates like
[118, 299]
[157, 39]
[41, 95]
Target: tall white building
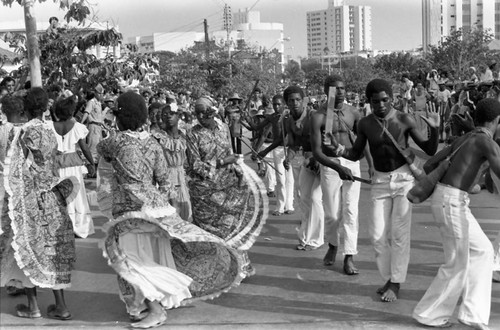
[440, 17]
[338, 29]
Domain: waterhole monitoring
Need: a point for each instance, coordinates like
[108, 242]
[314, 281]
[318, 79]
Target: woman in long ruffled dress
[162, 261]
[70, 133]
[37, 209]
[173, 142]
[228, 198]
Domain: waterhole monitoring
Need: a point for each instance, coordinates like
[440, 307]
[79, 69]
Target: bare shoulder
[406, 119]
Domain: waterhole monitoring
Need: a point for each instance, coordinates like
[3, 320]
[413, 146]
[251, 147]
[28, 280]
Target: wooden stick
[329, 113]
[367, 181]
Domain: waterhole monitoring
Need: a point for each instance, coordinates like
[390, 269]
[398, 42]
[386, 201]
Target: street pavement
[291, 289]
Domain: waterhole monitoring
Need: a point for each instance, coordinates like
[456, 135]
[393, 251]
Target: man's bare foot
[479, 326]
[153, 320]
[391, 294]
[349, 268]
[330, 255]
[384, 288]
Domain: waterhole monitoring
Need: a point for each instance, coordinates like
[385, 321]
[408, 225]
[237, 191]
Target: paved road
[291, 290]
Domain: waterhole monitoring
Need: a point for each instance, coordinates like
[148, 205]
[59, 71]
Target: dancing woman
[37, 209]
[162, 261]
[173, 141]
[228, 198]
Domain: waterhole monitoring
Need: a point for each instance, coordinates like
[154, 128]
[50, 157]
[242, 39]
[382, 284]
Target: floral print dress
[157, 255]
[38, 246]
[174, 150]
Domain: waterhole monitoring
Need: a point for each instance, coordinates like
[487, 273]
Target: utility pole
[207, 42]
[228, 23]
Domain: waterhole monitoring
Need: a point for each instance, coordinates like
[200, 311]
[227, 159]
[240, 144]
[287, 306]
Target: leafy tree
[294, 74]
[461, 50]
[76, 10]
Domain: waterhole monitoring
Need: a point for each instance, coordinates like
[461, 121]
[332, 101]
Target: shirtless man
[284, 177]
[468, 252]
[340, 198]
[305, 169]
[390, 220]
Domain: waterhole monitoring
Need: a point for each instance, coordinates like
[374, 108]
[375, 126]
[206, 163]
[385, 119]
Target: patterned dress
[38, 246]
[230, 207]
[157, 255]
[174, 150]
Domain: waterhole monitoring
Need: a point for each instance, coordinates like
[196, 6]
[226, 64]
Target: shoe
[289, 211]
[276, 213]
[301, 247]
[271, 194]
[311, 248]
[24, 311]
[52, 313]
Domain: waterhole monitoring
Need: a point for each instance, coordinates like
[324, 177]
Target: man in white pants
[467, 271]
[340, 198]
[305, 169]
[390, 217]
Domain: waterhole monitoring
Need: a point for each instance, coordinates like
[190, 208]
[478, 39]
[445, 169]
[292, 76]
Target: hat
[99, 89]
[235, 96]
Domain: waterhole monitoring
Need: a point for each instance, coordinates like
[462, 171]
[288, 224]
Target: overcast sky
[396, 24]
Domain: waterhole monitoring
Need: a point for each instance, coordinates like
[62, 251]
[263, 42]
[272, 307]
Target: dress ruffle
[213, 267]
[37, 209]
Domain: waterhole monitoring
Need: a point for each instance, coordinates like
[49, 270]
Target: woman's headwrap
[206, 102]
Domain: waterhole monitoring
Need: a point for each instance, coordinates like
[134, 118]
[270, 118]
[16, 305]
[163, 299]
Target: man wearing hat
[93, 117]
[233, 119]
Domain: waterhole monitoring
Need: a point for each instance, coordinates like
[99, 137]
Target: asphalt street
[291, 289]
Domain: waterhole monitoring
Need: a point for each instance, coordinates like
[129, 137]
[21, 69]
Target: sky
[396, 24]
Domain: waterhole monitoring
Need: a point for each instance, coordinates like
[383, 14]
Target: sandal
[52, 313]
[276, 213]
[24, 311]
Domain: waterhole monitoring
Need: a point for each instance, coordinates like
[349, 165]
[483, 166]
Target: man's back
[467, 162]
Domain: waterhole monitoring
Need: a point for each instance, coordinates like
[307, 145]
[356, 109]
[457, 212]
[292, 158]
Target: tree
[461, 50]
[76, 10]
[294, 74]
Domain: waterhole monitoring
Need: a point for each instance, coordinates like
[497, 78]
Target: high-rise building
[338, 29]
[440, 17]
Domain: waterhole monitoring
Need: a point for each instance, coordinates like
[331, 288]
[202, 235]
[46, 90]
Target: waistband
[449, 191]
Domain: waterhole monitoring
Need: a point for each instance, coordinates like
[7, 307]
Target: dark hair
[377, 86]
[292, 90]
[487, 110]
[12, 105]
[27, 84]
[257, 90]
[278, 96]
[131, 111]
[330, 81]
[35, 102]
[53, 18]
[89, 95]
[265, 100]
[65, 108]
[6, 80]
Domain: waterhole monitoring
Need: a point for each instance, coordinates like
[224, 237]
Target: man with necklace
[390, 218]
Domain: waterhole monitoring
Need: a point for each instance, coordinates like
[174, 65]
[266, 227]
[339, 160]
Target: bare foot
[391, 294]
[330, 255]
[153, 320]
[384, 288]
[349, 268]
[479, 326]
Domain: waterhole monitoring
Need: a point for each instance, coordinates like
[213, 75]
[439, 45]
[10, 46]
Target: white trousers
[468, 264]
[390, 223]
[340, 204]
[308, 193]
[284, 182]
[270, 178]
